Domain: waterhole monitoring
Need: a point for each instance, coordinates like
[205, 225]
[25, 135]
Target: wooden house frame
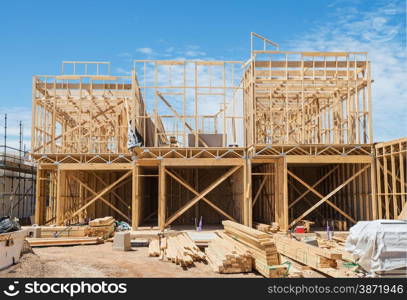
[284, 137]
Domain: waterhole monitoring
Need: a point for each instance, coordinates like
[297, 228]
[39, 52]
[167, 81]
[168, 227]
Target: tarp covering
[379, 245]
[134, 139]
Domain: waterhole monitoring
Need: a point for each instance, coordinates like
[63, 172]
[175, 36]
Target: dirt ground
[101, 261]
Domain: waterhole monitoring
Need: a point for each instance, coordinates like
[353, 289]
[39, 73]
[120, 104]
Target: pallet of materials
[179, 249]
[224, 257]
[50, 242]
[259, 244]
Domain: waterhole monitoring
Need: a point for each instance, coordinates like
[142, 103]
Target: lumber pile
[327, 261]
[101, 227]
[179, 249]
[259, 244]
[71, 241]
[224, 257]
[307, 254]
[336, 246]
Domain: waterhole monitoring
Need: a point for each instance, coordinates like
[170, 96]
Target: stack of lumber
[179, 249]
[268, 228]
[106, 221]
[259, 244]
[224, 257]
[61, 241]
[327, 261]
[101, 227]
[336, 246]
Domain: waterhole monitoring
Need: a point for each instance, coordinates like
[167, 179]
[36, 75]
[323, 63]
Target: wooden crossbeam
[305, 199]
[325, 199]
[100, 195]
[112, 191]
[263, 182]
[183, 209]
[313, 186]
[187, 186]
[104, 200]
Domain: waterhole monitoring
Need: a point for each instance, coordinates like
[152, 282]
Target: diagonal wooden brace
[325, 199]
[183, 209]
[100, 194]
[187, 186]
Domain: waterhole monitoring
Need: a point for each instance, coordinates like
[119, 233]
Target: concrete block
[34, 232]
[122, 241]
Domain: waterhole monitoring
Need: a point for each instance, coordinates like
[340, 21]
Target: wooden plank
[52, 242]
[330, 159]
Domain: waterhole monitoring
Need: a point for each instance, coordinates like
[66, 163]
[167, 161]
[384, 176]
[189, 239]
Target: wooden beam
[330, 159]
[95, 166]
[161, 197]
[135, 199]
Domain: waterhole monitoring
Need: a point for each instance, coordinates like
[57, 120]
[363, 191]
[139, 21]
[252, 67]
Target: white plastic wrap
[379, 245]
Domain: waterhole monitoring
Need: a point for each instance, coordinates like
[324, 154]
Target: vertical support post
[161, 197]
[369, 101]
[38, 203]
[373, 188]
[60, 190]
[284, 225]
[135, 196]
[281, 200]
[247, 192]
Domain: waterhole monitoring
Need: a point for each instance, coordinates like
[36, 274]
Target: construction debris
[179, 249]
[225, 257]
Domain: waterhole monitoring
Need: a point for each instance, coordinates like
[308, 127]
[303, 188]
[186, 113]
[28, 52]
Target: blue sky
[37, 35]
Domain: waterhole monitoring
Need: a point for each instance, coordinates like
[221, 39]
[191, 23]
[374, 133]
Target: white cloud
[380, 32]
[145, 50]
[193, 53]
[124, 54]
[123, 71]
